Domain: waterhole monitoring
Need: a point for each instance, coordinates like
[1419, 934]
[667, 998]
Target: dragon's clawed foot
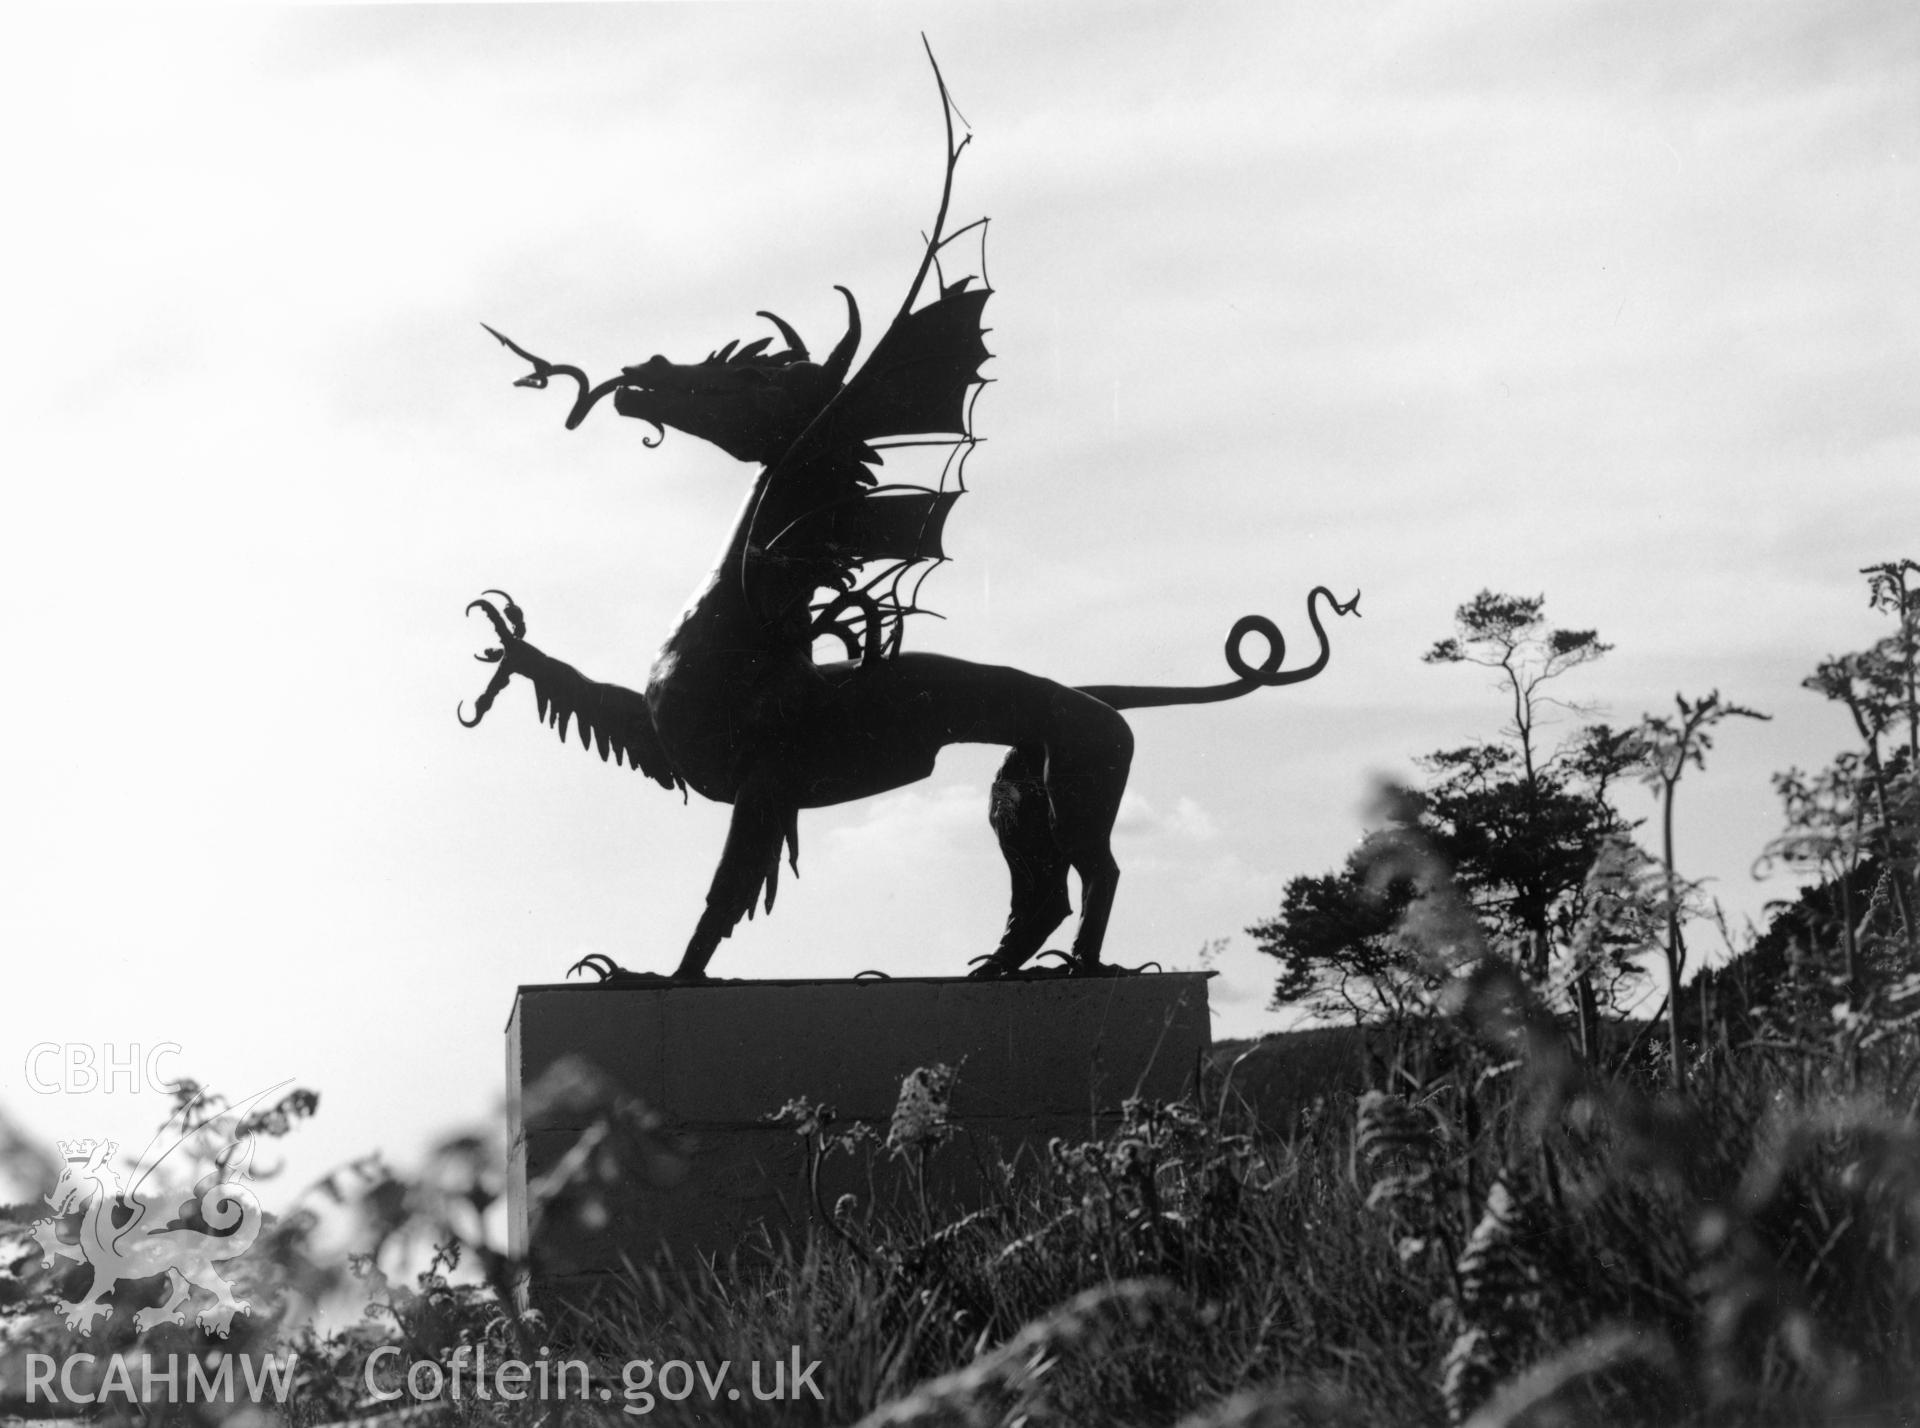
[218, 1320]
[612, 974]
[152, 1318]
[510, 625]
[1065, 964]
[80, 1317]
[991, 965]
[1109, 969]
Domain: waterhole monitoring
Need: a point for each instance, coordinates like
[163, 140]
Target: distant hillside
[1284, 1073]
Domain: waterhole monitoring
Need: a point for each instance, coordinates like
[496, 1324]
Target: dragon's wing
[823, 506]
[923, 371]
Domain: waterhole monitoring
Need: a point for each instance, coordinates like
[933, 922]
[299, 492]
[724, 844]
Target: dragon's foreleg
[613, 721]
[765, 820]
[46, 1235]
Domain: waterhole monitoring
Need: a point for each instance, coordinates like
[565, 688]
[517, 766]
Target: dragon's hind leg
[1086, 776]
[1054, 807]
[1023, 822]
[170, 1312]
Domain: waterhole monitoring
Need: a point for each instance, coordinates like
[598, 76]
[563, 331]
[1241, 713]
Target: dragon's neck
[96, 1227]
[719, 614]
[739, 547]
[753, 602]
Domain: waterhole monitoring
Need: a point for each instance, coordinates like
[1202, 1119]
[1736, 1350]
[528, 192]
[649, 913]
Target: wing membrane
[909, 407]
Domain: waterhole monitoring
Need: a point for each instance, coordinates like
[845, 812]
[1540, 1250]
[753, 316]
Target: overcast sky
[1615, 303]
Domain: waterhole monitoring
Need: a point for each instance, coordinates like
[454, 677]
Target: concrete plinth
[1036, 1059]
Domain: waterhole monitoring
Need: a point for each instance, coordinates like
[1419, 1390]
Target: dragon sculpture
[738, 709]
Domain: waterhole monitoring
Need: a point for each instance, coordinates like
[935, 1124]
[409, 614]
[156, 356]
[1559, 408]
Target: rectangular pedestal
[1035, 1060]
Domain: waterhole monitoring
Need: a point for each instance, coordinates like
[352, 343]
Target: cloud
[914, 819]
[1140, 819]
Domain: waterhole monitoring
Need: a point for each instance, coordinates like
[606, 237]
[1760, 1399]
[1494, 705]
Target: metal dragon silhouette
[738, 708]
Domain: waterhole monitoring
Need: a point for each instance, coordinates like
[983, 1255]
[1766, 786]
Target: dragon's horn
[796, 349]
[842, 357]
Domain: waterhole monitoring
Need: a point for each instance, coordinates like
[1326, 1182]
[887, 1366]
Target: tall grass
[1495, 1232]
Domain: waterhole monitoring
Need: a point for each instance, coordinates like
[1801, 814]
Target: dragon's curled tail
[1265, 675]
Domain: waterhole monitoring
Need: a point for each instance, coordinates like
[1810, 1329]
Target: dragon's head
[751, 403]
[85, 1165]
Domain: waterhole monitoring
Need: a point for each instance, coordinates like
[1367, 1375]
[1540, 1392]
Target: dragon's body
[736, 706]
